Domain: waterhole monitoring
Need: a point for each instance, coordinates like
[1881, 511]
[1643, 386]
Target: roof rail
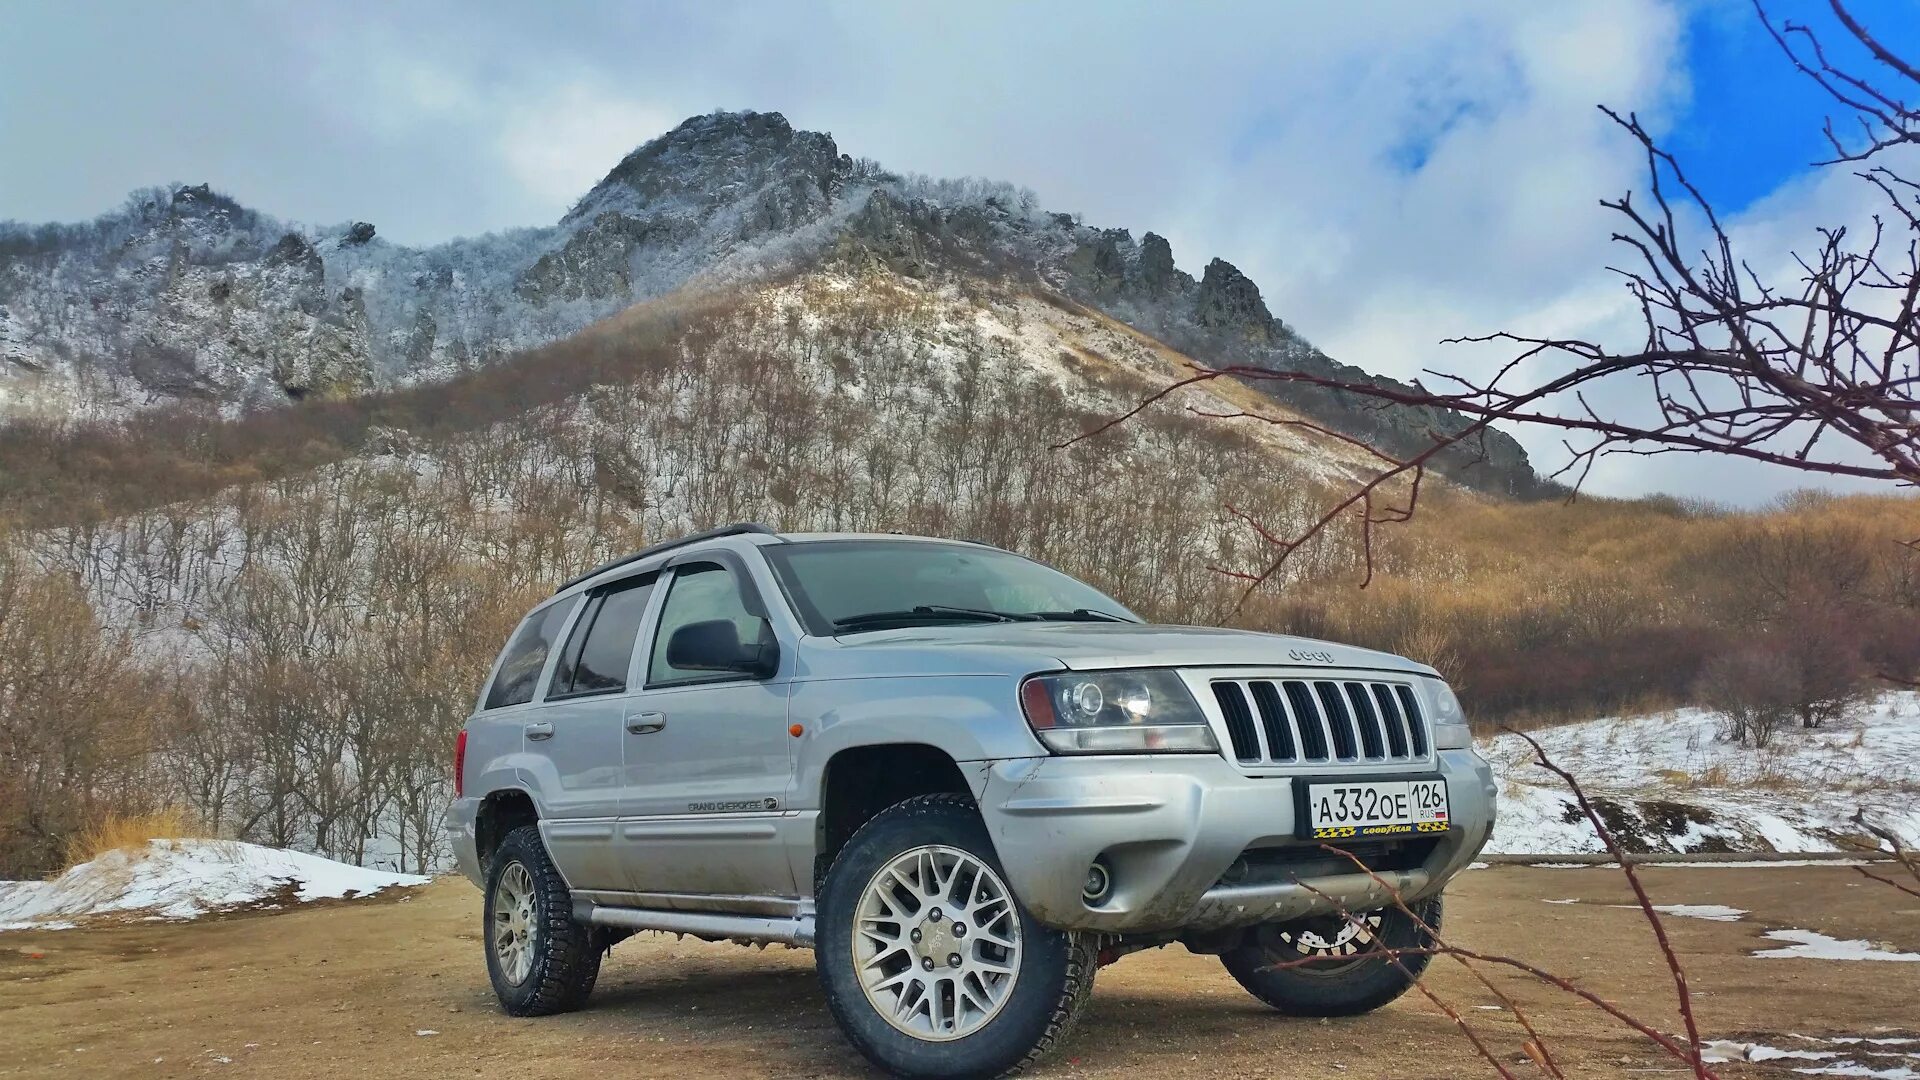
[737, 529]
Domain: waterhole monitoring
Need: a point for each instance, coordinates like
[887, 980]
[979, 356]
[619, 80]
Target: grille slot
[1273, 716]
[1233, 705]
[1321, 721]
[1415, 724]
[1314, 742]
[1334, 710]
[1370, 733]
[1390, 716]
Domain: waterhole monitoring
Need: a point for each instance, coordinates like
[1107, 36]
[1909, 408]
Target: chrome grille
[1287, 721]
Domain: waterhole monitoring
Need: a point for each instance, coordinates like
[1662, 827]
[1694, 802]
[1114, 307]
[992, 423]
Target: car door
[708, 757]
[577, 735]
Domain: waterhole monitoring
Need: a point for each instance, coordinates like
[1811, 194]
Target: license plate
[1345, 808]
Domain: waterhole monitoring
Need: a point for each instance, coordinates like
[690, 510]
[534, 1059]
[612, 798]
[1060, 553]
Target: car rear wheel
[931, 966]
[539, 959]
[1331, 965]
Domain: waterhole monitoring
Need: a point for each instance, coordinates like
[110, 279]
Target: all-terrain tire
[1055, 968]
[565, 954]
[1268, 966]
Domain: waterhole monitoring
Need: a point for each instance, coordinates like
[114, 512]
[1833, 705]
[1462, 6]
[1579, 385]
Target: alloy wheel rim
[1356, 936]
[513, 922]
[936, 943]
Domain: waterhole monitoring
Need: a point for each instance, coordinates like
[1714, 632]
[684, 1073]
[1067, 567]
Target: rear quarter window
[526, 655]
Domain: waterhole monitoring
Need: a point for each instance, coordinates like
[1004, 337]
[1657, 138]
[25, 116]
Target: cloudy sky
[1391, 173]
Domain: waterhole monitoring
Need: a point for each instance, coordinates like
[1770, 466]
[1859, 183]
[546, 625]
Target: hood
[1023, 648]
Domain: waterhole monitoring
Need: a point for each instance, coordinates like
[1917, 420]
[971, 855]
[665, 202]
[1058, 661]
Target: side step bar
[794, 930]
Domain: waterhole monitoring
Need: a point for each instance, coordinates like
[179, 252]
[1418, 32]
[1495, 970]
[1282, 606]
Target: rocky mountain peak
[716, 185]
[716, 158]
[1156, 272]
[1229, 300]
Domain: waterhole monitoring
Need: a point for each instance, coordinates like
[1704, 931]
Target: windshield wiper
[1078, 614]
[938, 611]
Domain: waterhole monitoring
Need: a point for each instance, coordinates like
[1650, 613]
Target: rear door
[708, 756]
[576, 734]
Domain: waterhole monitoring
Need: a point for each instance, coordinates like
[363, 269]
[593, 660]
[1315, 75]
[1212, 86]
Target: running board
[794, 930]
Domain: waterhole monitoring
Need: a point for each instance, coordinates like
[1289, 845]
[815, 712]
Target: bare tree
[1816, 369]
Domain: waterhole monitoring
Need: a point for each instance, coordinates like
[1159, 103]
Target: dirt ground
[396, 987]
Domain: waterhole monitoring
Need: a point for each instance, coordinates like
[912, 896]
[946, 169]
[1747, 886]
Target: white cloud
[560, 145]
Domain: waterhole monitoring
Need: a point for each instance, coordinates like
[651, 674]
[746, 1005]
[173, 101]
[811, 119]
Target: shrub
[1753, 691]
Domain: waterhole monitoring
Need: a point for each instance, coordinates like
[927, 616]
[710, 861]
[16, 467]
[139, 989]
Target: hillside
[327, 582]
[183, 295]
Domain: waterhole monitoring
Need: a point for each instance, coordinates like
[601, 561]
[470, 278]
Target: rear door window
[526, 655]
[600, 650]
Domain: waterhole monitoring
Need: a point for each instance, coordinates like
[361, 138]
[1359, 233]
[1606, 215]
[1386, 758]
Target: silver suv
[966, 780]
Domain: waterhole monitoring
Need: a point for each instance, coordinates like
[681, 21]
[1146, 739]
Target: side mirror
[714, 645]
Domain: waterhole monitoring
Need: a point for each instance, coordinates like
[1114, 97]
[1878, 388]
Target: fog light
[1099, 885]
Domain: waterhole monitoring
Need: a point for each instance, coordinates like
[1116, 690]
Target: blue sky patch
[1753, 122]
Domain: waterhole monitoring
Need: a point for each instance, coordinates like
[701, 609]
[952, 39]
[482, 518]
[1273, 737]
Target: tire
[1018, 1003]
[562, 957]
[1356, 976]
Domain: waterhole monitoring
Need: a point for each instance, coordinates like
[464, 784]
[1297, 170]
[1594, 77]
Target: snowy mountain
[184, 295]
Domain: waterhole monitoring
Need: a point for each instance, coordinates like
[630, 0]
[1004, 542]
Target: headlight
[1450, 730]
[1116, 712]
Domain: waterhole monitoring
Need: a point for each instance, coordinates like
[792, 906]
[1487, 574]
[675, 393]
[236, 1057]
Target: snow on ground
[180, 879]
[1709, 912]
[1850, 1055]
[1667, 783]
[1814, 946]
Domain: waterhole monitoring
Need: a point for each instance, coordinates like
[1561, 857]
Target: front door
[708, 759]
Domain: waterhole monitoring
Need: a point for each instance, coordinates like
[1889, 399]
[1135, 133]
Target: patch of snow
[1862, 1057]
[1670, 781]
[1816, 946]
[182, 879]
[1764, 864]
[1723, 1050]
[1704, 864]
[1709, 912]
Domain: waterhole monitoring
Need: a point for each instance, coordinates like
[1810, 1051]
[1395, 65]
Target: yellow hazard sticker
[1342, 832]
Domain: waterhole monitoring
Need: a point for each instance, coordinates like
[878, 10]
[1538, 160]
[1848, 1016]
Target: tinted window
[700, 592]
[526, 655]
[601, 647]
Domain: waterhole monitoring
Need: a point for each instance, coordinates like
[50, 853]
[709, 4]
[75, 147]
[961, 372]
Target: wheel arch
[501, 811]
[858, 782]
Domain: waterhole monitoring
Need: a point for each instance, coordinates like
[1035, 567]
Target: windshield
[846, 586]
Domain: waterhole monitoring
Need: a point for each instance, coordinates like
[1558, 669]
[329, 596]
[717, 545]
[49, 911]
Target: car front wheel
[931, 965]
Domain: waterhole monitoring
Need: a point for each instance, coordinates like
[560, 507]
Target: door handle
[642, 723]
[541, 730]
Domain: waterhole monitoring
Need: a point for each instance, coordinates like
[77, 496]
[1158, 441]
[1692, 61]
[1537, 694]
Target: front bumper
[1171, 826]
